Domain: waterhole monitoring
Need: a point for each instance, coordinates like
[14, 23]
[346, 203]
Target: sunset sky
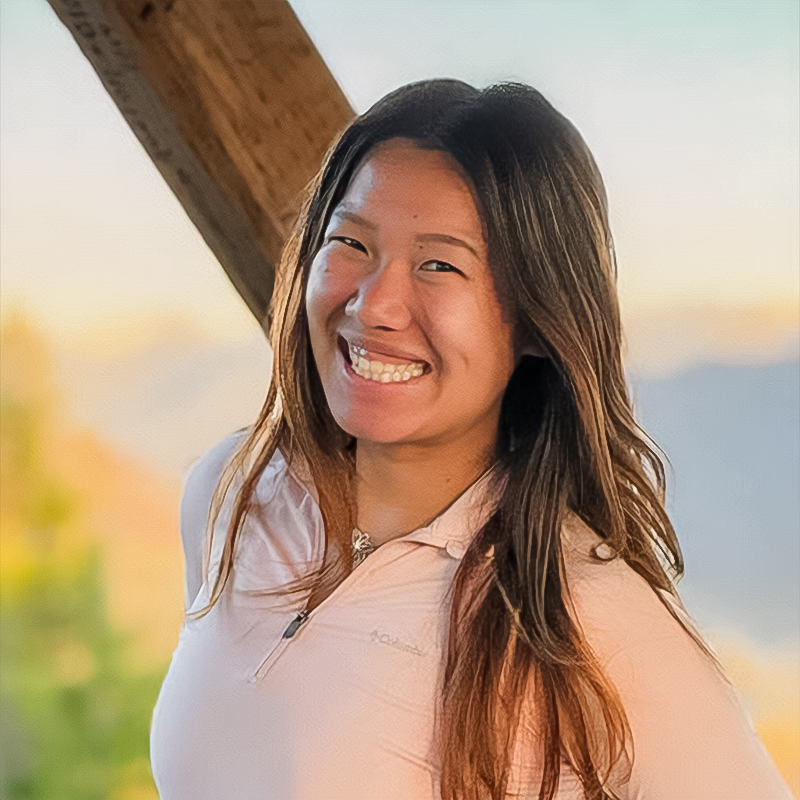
[691, 110]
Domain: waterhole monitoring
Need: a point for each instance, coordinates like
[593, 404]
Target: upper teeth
[383, 373]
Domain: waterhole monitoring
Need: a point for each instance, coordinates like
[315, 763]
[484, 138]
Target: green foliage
[74, 719]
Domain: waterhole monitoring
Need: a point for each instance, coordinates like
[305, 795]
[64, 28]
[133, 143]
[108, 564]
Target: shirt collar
[454, 528]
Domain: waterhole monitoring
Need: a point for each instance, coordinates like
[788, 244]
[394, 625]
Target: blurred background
[126, 353]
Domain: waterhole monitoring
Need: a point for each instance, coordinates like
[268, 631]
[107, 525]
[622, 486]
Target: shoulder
[199, 484]
[691, 738]
[616, 608]
[202, 476]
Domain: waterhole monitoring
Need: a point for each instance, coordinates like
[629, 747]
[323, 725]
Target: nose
[382, 298]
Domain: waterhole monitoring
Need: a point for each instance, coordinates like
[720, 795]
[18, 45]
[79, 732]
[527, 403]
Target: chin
[377, 428]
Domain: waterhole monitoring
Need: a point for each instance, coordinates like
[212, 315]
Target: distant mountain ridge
[732, 434]
[170, 401]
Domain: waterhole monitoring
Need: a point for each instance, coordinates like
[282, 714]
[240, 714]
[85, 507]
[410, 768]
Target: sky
[691, 110]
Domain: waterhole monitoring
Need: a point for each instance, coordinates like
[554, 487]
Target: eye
[438, 266]
[346, 240]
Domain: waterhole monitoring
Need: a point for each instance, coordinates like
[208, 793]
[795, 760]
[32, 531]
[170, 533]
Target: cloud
[665, 338]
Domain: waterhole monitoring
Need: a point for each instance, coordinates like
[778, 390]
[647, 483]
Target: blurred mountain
[170, 400]
[732, 436]
[731, 432]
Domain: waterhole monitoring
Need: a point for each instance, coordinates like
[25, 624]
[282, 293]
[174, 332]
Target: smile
[372, 369]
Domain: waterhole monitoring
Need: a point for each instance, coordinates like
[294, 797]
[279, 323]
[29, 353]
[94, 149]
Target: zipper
[295, 624]
[303, 616]
[274, 654]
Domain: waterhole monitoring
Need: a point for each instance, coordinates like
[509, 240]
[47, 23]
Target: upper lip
[380, 348]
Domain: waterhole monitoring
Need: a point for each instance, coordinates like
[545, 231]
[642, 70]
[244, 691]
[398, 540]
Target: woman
[441, 565]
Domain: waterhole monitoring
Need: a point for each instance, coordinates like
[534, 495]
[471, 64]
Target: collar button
[455, 549]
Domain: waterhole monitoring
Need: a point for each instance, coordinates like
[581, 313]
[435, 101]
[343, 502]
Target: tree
[74, 720]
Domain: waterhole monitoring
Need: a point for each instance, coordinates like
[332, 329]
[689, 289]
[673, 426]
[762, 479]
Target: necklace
[362, 546]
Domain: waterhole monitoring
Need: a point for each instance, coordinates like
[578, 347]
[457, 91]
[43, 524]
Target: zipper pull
[295, 624]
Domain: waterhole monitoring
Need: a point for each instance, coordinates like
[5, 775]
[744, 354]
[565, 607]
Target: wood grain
[233, 104]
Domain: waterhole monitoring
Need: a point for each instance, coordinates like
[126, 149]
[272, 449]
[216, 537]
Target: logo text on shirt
[393, 641]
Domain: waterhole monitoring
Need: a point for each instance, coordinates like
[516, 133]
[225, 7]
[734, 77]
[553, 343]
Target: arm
[691, 737]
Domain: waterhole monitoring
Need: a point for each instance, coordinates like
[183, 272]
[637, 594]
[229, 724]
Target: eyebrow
[343, 213]
[442, 238]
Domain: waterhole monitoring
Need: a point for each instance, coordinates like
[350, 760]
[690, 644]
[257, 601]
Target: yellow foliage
[769, 686]
[62, 490]
[133, 783]
[780, 734]
[80, 715]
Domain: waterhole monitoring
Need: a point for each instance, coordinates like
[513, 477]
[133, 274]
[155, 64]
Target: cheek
[326, 291]
[478, 330]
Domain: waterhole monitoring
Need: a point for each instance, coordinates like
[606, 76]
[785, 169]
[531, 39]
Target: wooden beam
[233, 104]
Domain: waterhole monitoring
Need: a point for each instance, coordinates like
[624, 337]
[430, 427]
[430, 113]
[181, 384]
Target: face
[407, 330]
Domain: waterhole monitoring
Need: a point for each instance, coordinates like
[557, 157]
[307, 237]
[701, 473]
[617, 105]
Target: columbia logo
[393, 641]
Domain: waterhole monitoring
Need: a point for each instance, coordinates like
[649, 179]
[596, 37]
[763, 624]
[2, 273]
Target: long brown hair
[567, 440]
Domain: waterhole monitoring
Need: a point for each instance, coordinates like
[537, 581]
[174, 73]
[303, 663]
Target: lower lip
[377, 386]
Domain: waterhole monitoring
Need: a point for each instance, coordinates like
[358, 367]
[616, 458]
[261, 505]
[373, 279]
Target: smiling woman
[403, 282]
[438, 564]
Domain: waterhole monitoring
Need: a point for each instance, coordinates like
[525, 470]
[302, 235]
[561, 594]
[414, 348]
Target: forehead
[401, 183]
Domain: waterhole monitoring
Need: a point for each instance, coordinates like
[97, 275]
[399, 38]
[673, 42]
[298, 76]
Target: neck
[402, 487]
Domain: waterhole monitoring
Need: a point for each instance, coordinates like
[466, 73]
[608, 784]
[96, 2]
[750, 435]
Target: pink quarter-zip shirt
[345, 707]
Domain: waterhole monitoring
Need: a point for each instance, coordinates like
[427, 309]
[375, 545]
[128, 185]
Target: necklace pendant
[362, 546]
